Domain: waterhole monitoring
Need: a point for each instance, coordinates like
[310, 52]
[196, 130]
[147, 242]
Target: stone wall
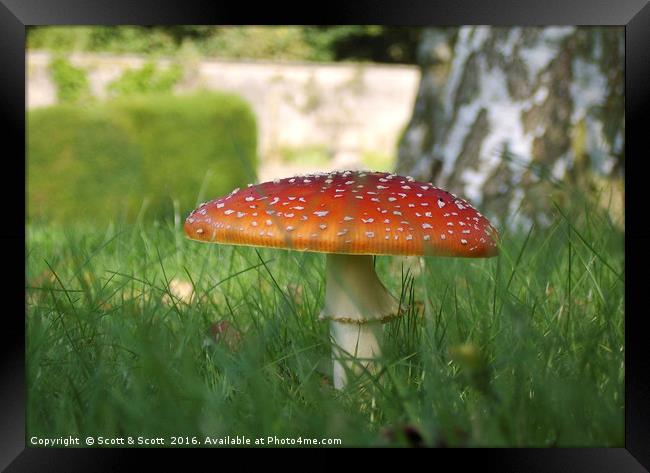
[348, 109]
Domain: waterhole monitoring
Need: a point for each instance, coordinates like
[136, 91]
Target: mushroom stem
[357, 303]
[355, 347]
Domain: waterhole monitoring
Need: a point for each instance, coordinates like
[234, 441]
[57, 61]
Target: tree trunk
[506, 116]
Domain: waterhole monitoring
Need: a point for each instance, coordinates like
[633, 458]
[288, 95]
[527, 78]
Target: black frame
[15, 15]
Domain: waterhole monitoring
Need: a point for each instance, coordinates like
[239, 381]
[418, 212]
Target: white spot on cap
[443, 236]
[392, 199]
[199, 230]
[269, 222]
[229, 211]
[290, 228]
[441, 203]
[322, 226]
[274, 201]
[409, 237]
[250, 198]
[369, 220]
[347, 219]
[321, 213]
[240, 214]
[342, 232]
[397, 212]
[426, 225]
[427, 237]
[220, 204]
[463, 241]
[254, 224]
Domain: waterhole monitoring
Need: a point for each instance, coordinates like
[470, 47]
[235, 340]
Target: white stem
[354, 348]
[357, 303]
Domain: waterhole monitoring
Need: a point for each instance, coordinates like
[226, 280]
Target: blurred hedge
[125, 159]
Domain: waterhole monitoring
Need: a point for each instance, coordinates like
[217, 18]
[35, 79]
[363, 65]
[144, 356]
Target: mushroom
[350, 216]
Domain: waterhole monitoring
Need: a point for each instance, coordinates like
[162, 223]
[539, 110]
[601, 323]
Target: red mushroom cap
[347, 212]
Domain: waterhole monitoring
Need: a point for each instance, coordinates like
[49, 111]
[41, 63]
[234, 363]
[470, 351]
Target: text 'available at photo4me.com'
[180, 441]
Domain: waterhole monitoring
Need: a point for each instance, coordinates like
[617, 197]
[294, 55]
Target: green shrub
[146, 80]
[125, 158]
[298, 43]
[71, 82]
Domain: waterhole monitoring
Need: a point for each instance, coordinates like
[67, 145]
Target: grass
[522, 350]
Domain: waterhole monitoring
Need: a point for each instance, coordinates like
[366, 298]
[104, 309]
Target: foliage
[298, 43]
[146, 80]
[376, 161]
[137, 158]
[523, 350]
[71, 82]
[314, 155]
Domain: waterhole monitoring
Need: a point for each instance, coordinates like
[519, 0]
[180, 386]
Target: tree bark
[508, 116]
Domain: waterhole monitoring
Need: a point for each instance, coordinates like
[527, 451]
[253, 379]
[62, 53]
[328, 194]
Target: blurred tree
[302, 43]
[508, 116]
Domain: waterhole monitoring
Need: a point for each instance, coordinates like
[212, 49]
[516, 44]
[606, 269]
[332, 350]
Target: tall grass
[522, 350]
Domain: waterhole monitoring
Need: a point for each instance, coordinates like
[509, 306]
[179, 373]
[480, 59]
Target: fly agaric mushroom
[350, 216]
